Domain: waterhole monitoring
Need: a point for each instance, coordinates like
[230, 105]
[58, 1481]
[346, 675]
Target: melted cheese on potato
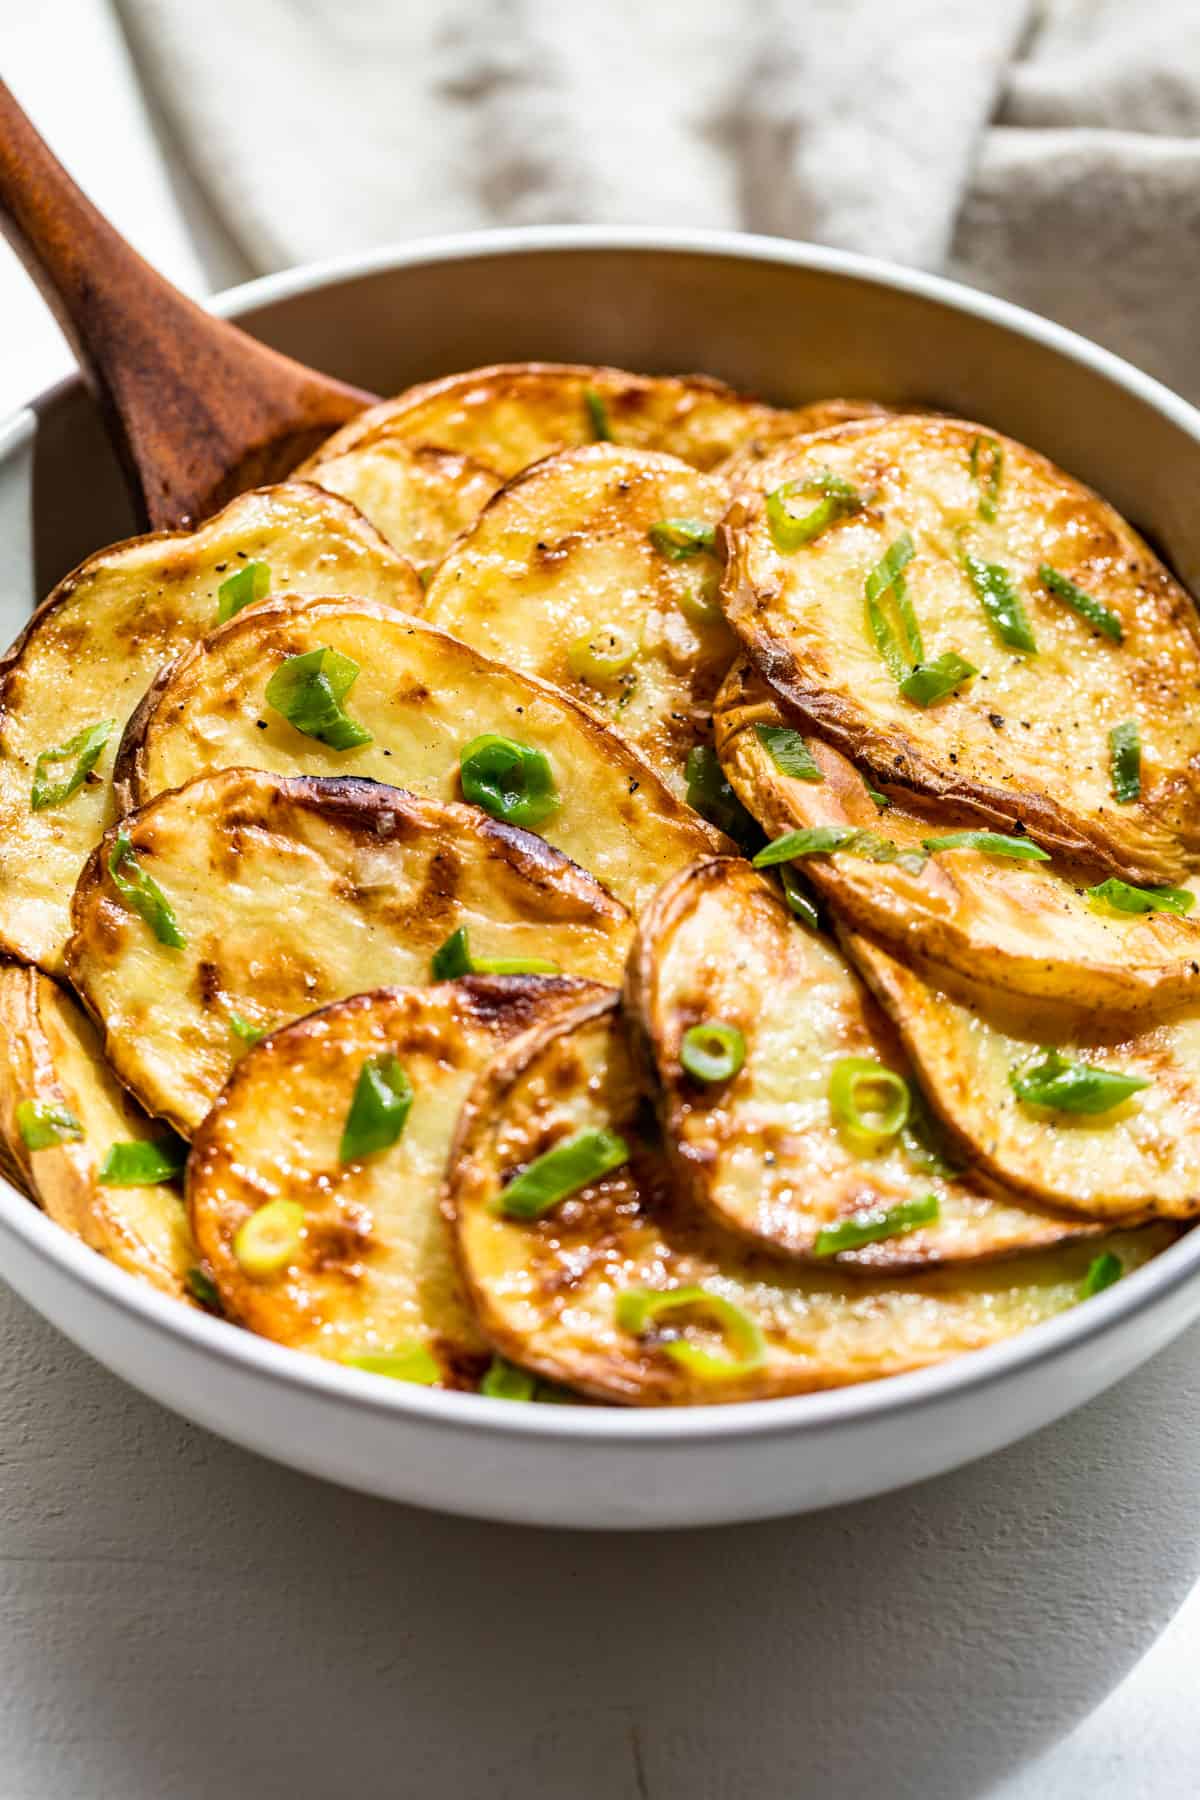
[89, 653]
[1027, 738]
[424, 696]
[764, 1151]
[545, 1291]
[291, 893]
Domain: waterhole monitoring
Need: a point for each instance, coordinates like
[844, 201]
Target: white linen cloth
[1050, 153]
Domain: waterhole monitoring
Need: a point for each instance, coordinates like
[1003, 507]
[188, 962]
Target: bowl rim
[966, 1375]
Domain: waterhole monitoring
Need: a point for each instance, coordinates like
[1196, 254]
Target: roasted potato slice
[547, 1291]
[417, 497]
[1023, 927]
[815, 415]
[1050, 566]
[1141, 1154]
[373, 1269]
[424, 697]
[763, 1151]
[87, 655]
[245, 900]
[513, 414]
[562, 578]
[53, 1077]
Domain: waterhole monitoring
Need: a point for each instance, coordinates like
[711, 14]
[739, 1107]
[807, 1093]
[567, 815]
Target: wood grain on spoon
[197, 409]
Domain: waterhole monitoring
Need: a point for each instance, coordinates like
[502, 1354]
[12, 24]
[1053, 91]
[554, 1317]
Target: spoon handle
[197, 410]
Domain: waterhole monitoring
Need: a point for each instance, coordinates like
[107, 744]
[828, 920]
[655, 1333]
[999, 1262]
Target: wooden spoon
[197, 410]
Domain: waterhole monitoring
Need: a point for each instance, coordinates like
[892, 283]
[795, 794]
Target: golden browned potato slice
[1025, 927]
[764, 1151]
[417, 497]
[246, 900]
[424, 697]
[562, 578]
[817, 415]
[513, 414]
[372, 1270]
[53, 1078]
[88, 653]
[1027, 737]
[547, 1290]
[1141, 1154]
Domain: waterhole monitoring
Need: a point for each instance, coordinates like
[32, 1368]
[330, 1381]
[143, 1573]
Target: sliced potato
[1141, 1156]
[417, 497]
[291, 893]
[545, 1291]
[89, 652]
[764, 1152]
[1024, 927]
[816, 415]
[512, 414]
[373, 1270]
[561, 578]
[1028, 737]
[424, 697]
[50, 1054]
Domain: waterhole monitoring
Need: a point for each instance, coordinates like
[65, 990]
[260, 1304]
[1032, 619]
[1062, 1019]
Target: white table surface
[180, 1620]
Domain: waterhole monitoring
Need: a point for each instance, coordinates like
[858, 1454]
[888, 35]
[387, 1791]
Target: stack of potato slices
[601, 889]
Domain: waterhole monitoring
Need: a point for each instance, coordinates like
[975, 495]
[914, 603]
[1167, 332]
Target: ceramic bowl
[792, 323]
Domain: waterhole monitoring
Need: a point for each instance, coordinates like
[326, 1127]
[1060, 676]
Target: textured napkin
[1048, 153]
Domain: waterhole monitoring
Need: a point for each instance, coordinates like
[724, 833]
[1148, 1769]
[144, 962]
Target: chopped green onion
[45, 1123]
[1102, 1272]
[988, 482]
[869, 1228]
[1001, 602]
[143, 893]
[869, 1101]
[680, 538]
[934, 680]
[504, 1381]
[637, 1309]
[991, 843]
[252, 582]
[900, 649]
[800, 902]
[142, 1163]
[713, 1051]
[1074, 1087]
[925, 1142]
[790, 530]
[1086, 605]
[597, 414]
[453, 958]
[1125, 751]
[881, 800]
[810, 840]
[407, 1362]
[202, 1287]
[308, 691]
[245, 1032]
[383, 1097]
[1122, 896]
[569, 1166]
[509, 780]
[824, 840]
[709, 794]
[699, 604]
[601, 655]
[789, 752]
[268, 1240]
[82, 752]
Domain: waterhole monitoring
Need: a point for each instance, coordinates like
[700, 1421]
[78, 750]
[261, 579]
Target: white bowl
[790, 322]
